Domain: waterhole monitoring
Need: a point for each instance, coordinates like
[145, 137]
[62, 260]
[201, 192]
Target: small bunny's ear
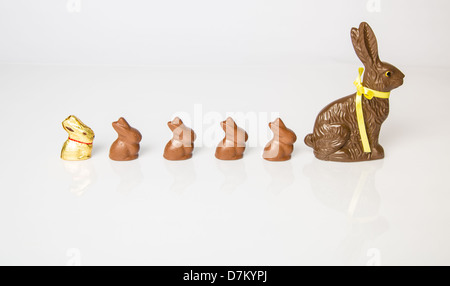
[123, 123]
[279, 122]
[171, 126]
[229, 121]
[177, 121]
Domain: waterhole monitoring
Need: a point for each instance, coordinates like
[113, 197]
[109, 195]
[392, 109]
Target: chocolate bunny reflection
[351, 190]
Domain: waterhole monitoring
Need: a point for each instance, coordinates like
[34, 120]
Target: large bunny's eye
[388, 74]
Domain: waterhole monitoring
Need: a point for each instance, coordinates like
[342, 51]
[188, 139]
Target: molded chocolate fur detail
[336, 135]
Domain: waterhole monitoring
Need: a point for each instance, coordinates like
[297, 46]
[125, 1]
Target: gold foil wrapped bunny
[79, 144]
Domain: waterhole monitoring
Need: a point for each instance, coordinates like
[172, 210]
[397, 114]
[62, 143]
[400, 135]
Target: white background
[149, 60]
[218, 32]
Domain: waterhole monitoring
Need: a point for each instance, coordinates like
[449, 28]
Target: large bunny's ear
[370, 42]
[359, 47]
[365, 44]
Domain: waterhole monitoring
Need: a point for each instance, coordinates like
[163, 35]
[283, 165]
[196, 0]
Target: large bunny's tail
[309, 141]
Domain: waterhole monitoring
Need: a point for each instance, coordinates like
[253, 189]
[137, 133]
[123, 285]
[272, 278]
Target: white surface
[210, 58]
[204, 211]
[212, 32]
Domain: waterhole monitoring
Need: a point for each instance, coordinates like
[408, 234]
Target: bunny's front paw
[377, 153]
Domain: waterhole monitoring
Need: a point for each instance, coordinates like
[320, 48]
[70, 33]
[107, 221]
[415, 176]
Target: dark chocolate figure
[281, 146]
[181, 145]
[126, 147]
[346, 132]
[232, 147]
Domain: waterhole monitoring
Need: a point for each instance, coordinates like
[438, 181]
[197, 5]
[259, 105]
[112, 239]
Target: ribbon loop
[358, 82]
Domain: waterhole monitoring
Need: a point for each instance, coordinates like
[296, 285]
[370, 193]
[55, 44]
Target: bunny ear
[171, 126]
[359, 46]
[229, 121]
[177, 121]
[365, 44]
[122, 122]
[279, 122]
[370, 42]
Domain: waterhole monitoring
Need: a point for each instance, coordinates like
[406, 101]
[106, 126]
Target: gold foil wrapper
[79, 144]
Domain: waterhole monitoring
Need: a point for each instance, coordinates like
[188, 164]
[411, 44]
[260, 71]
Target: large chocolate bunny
[347, 129]
[181, 145]
[126, 147]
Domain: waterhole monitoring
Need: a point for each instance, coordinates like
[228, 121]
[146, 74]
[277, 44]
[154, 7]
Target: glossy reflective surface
[205, 211]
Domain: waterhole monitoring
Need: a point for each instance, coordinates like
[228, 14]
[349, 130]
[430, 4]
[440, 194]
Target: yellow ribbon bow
[369, 94]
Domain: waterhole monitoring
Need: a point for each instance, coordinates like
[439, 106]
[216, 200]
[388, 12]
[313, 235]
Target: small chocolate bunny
[181, 145]
[79, 144]
[232, 146]
[126, 147]
[282, 144]
[347, 129]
